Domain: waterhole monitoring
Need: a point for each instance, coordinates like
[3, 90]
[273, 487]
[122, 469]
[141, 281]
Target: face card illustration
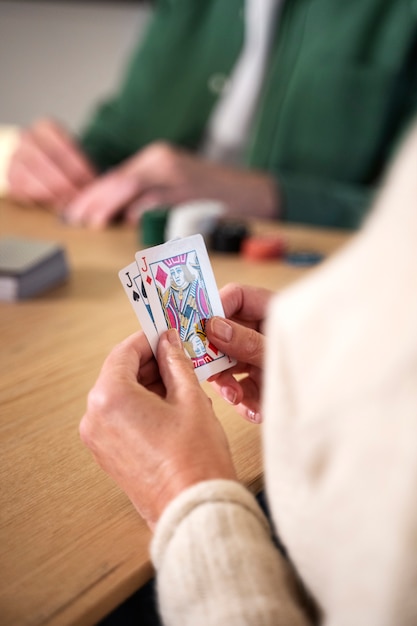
[183, 294]
[135, 290]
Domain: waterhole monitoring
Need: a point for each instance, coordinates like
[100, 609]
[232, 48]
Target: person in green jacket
[287, 110]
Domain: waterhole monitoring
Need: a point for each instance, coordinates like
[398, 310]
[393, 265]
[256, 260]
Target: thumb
[237, 341]
[175, 367]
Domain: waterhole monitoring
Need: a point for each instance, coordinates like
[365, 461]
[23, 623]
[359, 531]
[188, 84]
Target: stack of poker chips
[221, 233]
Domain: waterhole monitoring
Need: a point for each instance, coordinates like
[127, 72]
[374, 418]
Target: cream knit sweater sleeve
[340, 407]
[216, 563]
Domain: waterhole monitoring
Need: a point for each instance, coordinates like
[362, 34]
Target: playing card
[183, 294]
[131, 280]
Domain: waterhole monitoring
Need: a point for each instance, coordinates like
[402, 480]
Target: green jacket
[340, 89]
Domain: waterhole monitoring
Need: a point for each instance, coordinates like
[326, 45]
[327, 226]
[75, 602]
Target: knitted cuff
[206, 492]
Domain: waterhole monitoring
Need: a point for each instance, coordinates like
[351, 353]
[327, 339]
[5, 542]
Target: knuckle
[231, 288]
[85, 432]
[161, 151]
[100, 401]
[44, 124]
[100, 406]
[166, 158]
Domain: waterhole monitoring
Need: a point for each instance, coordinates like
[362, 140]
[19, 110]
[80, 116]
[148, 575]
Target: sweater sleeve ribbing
[217, 564]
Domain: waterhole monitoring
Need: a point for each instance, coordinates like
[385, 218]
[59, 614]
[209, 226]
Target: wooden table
[72, 546]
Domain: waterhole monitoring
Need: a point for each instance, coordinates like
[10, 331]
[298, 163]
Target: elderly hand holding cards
[151, 427]
[149, 424]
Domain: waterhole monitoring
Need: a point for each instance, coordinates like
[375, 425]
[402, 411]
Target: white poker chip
[192, 218]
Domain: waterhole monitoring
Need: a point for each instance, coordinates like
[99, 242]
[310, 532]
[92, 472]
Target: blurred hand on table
[50, 168]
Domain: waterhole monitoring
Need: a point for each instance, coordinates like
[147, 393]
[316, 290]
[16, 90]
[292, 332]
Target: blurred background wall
[59, 58]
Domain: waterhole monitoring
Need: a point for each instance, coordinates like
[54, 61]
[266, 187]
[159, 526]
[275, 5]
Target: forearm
[322, 203]
[216, 562]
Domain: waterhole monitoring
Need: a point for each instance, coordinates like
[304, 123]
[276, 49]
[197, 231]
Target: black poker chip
[228, 236]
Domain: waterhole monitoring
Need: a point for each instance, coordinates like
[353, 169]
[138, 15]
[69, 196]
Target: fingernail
[254, 416]
[229, 394]
[221, 329]
[174, 338]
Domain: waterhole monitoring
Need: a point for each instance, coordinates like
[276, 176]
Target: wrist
[180, 481]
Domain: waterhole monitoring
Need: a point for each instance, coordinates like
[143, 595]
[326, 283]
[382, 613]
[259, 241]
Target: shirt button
[217, 83]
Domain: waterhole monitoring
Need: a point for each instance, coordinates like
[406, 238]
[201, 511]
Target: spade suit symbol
[136, 296]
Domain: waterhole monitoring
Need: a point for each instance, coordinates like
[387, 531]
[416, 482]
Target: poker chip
[190, 218]
[229, 235]
[152, 226]
[304, 258]
[263, 247]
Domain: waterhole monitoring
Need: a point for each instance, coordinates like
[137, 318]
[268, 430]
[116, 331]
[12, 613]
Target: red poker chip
[262, 247]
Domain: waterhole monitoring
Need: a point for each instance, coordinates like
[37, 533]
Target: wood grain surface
[72, 546]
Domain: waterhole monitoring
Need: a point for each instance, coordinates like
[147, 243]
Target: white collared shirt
[231, 120]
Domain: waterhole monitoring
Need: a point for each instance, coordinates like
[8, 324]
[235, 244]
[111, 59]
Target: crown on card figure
[180, 259]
